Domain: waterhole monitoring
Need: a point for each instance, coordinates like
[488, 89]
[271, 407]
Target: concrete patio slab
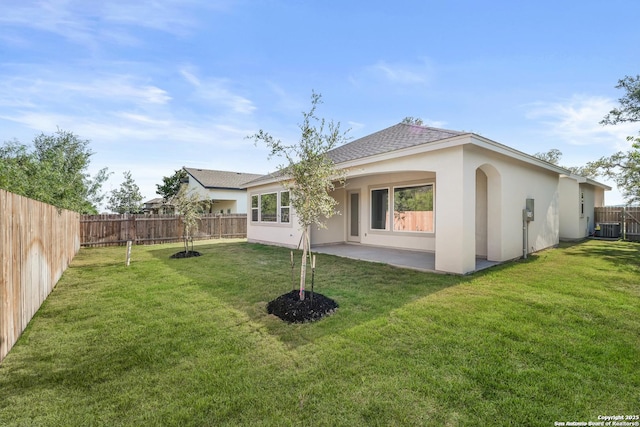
[416, 260]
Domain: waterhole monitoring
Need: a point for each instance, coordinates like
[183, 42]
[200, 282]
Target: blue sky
[157, 85]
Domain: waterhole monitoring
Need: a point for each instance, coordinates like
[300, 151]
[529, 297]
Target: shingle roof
[221, 179]
[386, 140]
[390, 139]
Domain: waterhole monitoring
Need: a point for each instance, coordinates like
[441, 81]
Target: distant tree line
[53, 170]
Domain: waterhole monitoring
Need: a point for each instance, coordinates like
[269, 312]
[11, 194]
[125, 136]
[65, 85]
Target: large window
[380, 209]
[269, 207]
[411, 207]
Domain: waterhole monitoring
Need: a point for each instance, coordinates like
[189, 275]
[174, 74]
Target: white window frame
[281, 208]
[390, 188]
[392, 205]
[256, 208]
[275, 213]
[371, 210]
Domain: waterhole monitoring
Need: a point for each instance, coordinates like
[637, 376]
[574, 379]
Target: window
[254, 208]
[269, 207]
[413, 208]
[380, 209]
[581, 204]
[285, 207]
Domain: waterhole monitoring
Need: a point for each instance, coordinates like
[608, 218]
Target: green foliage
[629, 110]
[171, 185]
[309, 174]
[269, 207]
[554, 155]
[54, 171]
[126, 199]
[624, 167]
[413, 199]
[412, 121]
[190, 207]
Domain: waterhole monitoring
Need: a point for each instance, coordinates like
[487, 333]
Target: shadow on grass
[247, 276]
[618, 253]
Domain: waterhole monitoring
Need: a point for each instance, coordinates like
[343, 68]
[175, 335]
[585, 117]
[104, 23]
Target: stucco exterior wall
[578, 201]
[519, 183]
[279, 234]
[338, 226]
[236, 200]
[479, 195]
[569, 209]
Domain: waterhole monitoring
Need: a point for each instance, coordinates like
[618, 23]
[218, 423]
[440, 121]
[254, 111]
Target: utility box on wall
[530, 209]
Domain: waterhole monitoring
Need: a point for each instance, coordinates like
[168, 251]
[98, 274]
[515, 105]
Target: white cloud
[401, 73]
[79, 21]
[216, 91]
[419, 73]
[34, 91]
[576, 121]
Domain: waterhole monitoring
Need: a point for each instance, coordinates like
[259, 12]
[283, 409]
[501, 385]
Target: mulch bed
[289, 308]
[185, 254]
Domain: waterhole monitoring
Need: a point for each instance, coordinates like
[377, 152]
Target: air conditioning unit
[609, 230]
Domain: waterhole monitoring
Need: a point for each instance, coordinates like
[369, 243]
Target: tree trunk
[303, 266]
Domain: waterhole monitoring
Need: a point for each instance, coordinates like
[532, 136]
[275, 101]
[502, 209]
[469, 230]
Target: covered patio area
[415, 260]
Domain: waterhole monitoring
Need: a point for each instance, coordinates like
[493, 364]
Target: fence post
[128, 252]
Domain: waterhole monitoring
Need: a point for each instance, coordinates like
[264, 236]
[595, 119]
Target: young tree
[309, 174]
[624, 168]
[190, 208]
[171, 185]
[126, 199]
[54, 171]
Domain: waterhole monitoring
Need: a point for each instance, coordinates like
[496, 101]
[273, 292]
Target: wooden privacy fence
[38, 241]
[625, 221]
[114, 230]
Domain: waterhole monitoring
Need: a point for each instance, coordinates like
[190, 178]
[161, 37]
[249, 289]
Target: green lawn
[188, 342]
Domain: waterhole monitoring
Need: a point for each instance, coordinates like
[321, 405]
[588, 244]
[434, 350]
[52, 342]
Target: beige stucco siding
[578, 201]
[235, 200]
[480, 190]
[277, 233]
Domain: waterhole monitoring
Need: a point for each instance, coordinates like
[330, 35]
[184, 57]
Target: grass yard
[187, 342]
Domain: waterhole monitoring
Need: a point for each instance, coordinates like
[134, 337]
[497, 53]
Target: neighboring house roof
[390, 139]
[221, 179]
[156, 201]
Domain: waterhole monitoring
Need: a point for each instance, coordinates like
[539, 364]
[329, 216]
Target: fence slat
[116, 230]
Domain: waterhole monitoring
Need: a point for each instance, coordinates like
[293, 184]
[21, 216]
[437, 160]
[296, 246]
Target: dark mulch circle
[289, 308]
[185, 254]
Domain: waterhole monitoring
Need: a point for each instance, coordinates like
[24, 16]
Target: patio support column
[455, 214]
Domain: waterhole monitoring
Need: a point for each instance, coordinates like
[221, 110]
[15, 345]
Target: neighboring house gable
[456, 194]
[224, 188]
